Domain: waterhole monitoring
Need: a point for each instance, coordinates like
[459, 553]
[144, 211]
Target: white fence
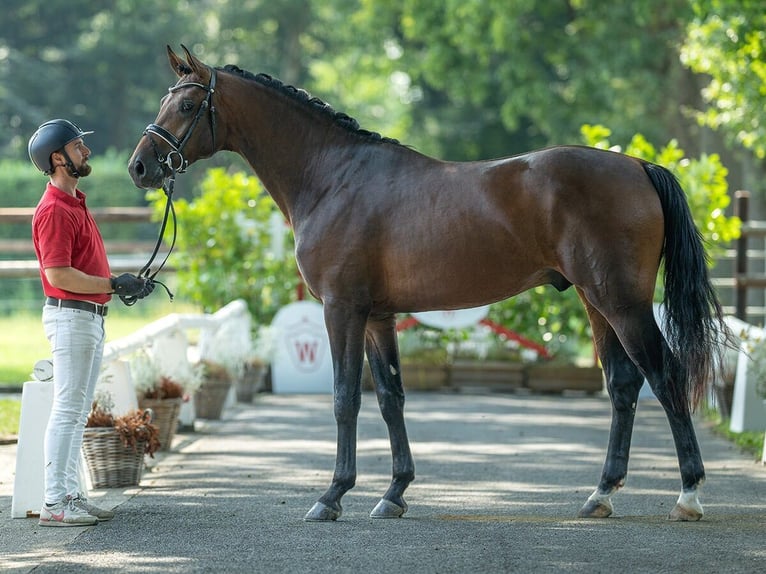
[224, 334]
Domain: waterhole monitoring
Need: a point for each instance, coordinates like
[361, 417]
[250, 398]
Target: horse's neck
[296, 153]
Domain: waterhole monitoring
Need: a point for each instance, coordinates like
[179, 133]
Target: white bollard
[29, 482]
[170, 350]
[747, 408]
[115, 379]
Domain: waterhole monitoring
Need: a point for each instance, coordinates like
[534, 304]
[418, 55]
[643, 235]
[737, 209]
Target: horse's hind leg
[644, 344]
[624, 382]
[383, 356]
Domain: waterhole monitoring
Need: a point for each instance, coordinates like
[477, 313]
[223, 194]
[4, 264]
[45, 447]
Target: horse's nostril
[139, 168]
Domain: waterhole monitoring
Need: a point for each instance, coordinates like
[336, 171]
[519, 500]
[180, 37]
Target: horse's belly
[444, 282]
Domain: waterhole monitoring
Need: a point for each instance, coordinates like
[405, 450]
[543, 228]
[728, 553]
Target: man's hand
[148, 288]
[128, 285]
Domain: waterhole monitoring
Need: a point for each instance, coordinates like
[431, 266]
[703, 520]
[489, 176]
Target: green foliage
[750, 442]
[726, 41]
[224, 248]
[703, 180]
[10, 414]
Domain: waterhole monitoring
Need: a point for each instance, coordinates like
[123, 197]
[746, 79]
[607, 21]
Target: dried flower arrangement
[132, 428]
[167, 388]
[151, 381]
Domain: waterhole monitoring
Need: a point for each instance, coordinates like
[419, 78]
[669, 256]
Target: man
[78, 284]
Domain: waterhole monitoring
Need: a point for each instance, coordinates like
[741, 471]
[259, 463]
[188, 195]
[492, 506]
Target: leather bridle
[174, 162]
[176, 146]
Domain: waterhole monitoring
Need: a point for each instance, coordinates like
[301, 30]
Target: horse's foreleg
[624, 382]
[383, 356]
[345, 327]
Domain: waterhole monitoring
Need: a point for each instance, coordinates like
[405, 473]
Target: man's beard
[83, 169]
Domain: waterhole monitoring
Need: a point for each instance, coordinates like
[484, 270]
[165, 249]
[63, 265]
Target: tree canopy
[456, 79]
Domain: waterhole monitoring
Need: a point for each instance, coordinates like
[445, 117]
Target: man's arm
[75, 281]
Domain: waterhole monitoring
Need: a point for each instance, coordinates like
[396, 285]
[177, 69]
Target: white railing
[167, 341]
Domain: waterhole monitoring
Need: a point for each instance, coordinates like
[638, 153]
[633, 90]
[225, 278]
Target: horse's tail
[694, 325]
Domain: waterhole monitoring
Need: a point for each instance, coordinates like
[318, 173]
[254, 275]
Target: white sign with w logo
[302, 362]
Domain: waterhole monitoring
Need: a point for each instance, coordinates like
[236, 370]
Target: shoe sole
[65, 524]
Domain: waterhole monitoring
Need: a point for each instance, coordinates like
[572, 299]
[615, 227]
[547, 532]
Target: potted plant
[424, 359]
[162, 392]
[114, 447]
[211, 395]
[256, 364]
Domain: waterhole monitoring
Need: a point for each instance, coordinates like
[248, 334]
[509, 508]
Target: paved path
[500, 479]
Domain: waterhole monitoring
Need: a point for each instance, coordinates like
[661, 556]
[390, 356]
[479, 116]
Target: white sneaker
[101, 513]
[65, 513]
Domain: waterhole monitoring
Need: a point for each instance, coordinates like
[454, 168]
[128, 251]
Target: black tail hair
[694, 325]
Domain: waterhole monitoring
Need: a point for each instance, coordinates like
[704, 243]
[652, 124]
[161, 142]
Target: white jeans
[77, 343]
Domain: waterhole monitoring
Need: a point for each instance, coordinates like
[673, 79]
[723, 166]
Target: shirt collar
[64, 196]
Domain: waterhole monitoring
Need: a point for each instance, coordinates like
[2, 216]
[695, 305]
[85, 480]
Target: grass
[10, 409]
[750, 442]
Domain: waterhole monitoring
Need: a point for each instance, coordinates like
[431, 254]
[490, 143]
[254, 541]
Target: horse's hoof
[688, 507]
[387, 509]
[597, 506]
[685, 514]
[320, 512]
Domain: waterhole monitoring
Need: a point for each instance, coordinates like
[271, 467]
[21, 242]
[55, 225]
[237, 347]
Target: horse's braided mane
[303, 97]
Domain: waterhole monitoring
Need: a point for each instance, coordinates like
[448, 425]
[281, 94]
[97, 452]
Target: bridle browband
[171, 169]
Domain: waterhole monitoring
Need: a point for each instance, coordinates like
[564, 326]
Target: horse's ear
[196, 65]
[180, 67]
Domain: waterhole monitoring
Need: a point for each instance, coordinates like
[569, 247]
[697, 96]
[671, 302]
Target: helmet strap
[70, 165]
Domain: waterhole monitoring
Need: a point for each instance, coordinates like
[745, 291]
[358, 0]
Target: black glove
[128, 285]
[148, 288]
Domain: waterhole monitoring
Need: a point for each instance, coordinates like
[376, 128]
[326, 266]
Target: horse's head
[185, 128]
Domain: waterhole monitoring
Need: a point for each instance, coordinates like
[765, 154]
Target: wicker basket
[210, 398]
[166, 413]
[111, 464]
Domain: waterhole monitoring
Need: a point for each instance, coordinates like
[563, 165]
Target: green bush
[224, 248]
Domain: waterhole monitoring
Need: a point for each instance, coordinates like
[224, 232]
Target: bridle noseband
[174, 162]
[176, 146]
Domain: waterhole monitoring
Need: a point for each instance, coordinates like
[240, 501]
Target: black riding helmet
[51, 136]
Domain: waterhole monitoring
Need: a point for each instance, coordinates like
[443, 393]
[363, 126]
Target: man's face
[79, 153]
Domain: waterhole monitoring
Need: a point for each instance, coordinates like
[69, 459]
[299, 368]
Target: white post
[29, 482]
[747, 410]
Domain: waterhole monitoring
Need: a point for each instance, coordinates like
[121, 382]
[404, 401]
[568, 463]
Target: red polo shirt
[65, 235]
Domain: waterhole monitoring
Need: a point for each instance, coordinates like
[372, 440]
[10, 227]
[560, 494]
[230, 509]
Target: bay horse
[381, 229]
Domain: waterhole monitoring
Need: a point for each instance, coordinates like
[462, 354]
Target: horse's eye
[187, 106]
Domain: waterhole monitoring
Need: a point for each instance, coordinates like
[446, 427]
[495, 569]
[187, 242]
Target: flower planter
[425, 376]
[110, 463]
[495, 375]
[210, 398]
[556, 378]
[251, 382]
[166, 413]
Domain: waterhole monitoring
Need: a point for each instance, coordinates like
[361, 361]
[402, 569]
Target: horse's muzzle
[145, 171]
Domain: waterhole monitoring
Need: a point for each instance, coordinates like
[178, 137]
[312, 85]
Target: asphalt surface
[500, 478]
